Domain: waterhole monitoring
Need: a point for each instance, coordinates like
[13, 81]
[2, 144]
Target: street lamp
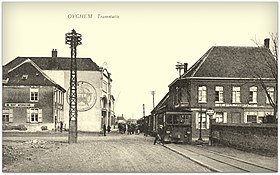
[200, 124]
[73, 39]
[210, 112]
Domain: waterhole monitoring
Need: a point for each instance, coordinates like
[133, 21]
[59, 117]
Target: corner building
[94, 99]
[229, 80]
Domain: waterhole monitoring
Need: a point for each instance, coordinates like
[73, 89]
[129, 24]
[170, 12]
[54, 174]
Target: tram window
[169, 119]
[187, 119]
[181, 119]
[176, 119]
[160, 119]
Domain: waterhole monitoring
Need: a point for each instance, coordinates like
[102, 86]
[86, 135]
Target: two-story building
[95, 101]
[233, 81]
[31, 98]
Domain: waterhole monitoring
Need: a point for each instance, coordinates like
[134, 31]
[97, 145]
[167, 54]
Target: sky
[141, 44]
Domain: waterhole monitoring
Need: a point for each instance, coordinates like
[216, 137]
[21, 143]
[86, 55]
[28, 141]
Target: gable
[29, 75]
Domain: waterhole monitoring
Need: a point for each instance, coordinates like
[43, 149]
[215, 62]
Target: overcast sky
[141, 45]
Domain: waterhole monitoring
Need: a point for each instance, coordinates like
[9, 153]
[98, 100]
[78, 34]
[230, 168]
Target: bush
[43, 128]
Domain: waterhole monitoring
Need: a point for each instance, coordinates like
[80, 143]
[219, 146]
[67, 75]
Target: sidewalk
[186, 151]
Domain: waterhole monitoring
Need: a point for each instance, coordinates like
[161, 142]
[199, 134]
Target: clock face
[86, 96]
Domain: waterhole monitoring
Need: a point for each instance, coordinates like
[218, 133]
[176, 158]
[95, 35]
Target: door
[235, 117]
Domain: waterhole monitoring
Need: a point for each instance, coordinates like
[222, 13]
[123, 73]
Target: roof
[162, 104]
[33, 77]
[120, 118]
[233, 62]
[55, 63]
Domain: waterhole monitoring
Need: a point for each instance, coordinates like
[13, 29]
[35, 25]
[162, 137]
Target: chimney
[54, 53]
[54, 59]
[266, 43]
[185, 67]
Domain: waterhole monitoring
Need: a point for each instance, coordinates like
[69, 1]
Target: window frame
[271, 91]
[236, 94]
[219, 94]
[202, 94]
[34, 94]
[253, 94]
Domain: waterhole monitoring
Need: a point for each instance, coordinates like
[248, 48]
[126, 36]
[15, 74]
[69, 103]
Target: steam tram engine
[177, 126]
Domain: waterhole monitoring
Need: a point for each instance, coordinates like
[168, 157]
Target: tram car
[177, 126]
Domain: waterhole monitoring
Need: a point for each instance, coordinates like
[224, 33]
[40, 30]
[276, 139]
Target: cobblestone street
[113, 153]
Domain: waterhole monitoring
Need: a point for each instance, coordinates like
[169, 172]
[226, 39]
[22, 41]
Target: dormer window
[24, 77]
[5, 81]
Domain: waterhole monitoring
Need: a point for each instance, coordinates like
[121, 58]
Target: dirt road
[113, 153]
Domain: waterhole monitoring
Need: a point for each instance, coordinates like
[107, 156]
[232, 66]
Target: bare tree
[271, 66]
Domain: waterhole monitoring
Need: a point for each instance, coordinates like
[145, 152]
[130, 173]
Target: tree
[272, 67]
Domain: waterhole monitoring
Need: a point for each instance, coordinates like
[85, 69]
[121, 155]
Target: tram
[178, 127]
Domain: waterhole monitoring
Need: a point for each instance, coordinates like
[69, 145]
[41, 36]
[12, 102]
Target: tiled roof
[29, 74]
[233, 62]
[59, 63]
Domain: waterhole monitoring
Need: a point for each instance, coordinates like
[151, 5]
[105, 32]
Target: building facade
[232, 81]
[31, 98]
[95, 102]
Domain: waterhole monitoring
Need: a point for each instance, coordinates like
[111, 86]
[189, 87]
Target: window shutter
[28, 116]
[225, 117]
[40, 116]
[11, 116]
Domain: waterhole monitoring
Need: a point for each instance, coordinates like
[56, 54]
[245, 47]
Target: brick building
[31, 98]
[95, 101]
[228, 80]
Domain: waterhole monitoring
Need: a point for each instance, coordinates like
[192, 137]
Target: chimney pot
[185, 67]
[266, 43]
[54, 53]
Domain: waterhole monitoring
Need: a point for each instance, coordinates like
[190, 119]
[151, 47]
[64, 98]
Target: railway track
[217, 162]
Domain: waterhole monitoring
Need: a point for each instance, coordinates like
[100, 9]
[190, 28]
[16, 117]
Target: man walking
[159, 135]
[104, 129]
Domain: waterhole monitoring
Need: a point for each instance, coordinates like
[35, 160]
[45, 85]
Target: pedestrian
[159, 135]
[108, 128]
[104, 129]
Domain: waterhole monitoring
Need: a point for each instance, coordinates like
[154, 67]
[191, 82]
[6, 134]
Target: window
[169, 119]
[176, 119]
[7, 115]
[34, 94]
[5, 118]
[203, 119]
[219, 91]
[235, 94]
[104, 86]
[219, 117]
[178, 95]
[202, 94]
[253, 94]
[270, 91]
[34, 115]
[24, 77]
[186, 119]
[251, 119]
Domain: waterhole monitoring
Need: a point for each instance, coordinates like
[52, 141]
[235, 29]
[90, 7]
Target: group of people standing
[129, 128]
